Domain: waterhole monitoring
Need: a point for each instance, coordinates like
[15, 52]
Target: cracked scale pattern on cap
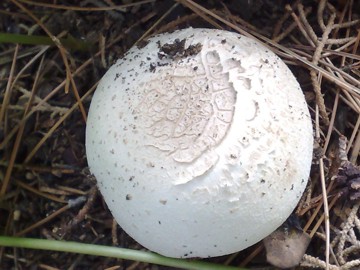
[201, 142]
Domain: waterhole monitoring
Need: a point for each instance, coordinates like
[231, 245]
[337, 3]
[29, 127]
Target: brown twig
[37, 192]
[282, 50]
[314, 78]
[291, 27]
[7, 93]
[69, 76]
[6, 100]
[57, 124]
[78, 71]
[77, 8]
[83, 211]
[44, 220]
[200, 11]
[278, 26]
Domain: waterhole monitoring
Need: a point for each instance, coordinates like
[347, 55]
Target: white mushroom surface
[201, 142]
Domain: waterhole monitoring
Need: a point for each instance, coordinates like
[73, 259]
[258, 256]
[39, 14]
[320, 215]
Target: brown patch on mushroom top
[178, 50]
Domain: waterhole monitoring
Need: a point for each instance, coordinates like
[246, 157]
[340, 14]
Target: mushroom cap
[201, 142]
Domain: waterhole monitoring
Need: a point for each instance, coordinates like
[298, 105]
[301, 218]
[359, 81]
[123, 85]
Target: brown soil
[42, 115]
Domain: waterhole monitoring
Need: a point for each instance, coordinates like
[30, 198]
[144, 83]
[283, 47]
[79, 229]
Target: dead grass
[45, 92]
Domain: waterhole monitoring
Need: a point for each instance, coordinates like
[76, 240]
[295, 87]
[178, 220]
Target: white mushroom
[201, 142]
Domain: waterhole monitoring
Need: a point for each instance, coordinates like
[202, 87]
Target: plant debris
[178, 50]
[286, 246]
[46, 90]
[349, 174]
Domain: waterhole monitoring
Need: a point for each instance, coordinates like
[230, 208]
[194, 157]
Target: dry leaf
[285, 247]
[349, 175]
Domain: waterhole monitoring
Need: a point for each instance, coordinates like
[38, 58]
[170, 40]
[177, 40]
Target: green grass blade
[69, 42]
[115, 252]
